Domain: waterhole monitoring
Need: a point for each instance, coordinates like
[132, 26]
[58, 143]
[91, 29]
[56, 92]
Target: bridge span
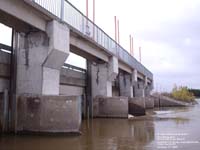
[39, 92]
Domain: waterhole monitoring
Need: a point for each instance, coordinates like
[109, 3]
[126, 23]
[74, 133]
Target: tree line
[196, 92]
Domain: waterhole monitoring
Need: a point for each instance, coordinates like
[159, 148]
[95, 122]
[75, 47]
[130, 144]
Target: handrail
[68, 13]
[74, 68]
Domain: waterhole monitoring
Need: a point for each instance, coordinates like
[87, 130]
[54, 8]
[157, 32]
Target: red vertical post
[132, 47]
[93, 19]
[115, 19]
[140, 55]
[130, 44]
[118, 31]
[87, 8]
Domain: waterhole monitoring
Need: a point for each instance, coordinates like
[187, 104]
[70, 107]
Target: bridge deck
[64, 11]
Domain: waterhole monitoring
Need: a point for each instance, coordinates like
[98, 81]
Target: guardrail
[68, 13]
[74, 68]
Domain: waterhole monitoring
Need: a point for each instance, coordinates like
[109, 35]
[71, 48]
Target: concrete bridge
[39, 92]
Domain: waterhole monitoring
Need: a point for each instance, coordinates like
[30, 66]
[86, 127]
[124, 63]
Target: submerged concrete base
[135, 109]
[112, 107]
[52, 114]
[164, 101]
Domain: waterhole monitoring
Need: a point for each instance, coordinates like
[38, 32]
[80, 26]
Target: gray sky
[167, 31]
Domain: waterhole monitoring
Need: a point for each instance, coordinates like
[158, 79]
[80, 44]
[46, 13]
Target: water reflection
[117, 134]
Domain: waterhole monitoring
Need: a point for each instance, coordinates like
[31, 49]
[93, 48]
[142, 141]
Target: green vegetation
[196, 92]
[183, 94]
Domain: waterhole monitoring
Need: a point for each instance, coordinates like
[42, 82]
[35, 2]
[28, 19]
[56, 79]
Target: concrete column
[57, 55]
[125, 84]
[40, 57]
[135, 75]
[134, 83]
[139, 89]
[103, 74]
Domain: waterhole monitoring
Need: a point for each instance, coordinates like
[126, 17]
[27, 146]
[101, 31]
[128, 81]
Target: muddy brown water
[168, 128]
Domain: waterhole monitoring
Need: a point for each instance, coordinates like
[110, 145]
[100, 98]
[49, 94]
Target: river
[168, 128]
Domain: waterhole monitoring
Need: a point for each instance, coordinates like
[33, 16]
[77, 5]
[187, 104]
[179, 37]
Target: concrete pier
[42, 90]
[111, 107]
[55, 114]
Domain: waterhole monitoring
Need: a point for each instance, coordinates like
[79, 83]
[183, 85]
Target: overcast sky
[167, 30]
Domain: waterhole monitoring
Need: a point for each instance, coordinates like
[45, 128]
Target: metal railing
[74, 68]
[68, 13]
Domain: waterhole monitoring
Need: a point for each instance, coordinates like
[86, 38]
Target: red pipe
[93, 18]
[140, 54]
[118, 31]
[132, 47]
[87, 8]
[115, 19]
[130, 44]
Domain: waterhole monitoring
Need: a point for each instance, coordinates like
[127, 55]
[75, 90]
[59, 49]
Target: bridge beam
[40, 58]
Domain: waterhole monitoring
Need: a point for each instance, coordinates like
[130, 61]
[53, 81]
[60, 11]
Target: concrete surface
[56, 114]
[125, 84]
[71, 90]
[24, 12]
[111, 107]
[99, 79]
[135, 109]
[73, 78]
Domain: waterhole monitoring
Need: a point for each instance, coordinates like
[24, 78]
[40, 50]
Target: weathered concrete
[140, 101]
[144, 102]
[1, 112]
[164, 101]
[73, 78]
[48, 114]
[149, 102]
[110, 107]
[71, 90]
[139, 89]
[125, 84]
[4, 71]
[40, 58]
[102, 76]
[135, 109]
[24, 12]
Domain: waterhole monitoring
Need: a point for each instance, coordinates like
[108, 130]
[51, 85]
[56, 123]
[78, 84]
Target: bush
[183, 94]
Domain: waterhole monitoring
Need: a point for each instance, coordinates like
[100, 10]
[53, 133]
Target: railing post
[62, 10]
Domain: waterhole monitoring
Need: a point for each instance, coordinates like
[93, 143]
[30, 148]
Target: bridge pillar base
[125, 85]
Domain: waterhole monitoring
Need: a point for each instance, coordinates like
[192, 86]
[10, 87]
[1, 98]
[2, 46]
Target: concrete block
[58, 44]
[33, 49]
[135, 75]
[71, 90]
[4, 57]
[51, 80]
[111, 107]
[113, 68]
[109, 89]
[134, 109]
[29, 80]
[4, 70]
[149, 103]
[54, 114]
[4, 84]
[125, 84]
[99, 78]
[140, 101]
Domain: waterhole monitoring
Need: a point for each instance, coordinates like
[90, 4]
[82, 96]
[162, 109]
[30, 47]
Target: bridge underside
[38, 91]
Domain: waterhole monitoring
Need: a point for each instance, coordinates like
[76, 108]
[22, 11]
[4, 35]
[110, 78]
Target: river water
[169, 128]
